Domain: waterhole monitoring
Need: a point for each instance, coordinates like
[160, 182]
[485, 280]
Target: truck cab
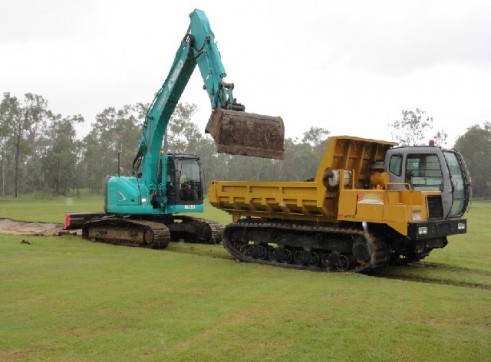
[431, 168]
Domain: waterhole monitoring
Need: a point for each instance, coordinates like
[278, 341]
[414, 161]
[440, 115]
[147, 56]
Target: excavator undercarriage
[155, 233]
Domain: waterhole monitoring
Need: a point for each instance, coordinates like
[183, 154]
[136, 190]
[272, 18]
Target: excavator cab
[184, 184]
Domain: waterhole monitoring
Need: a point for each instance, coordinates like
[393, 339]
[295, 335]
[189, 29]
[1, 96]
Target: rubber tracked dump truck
[369, 205]
[142, 209]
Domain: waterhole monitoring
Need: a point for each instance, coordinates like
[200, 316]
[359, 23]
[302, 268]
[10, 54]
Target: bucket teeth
[247, 134]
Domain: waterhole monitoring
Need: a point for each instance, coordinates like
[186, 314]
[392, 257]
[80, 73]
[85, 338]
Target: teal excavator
[150, 207]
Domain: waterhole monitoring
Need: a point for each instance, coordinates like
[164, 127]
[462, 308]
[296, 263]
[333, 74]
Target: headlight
[144, 200]
[461, 226]
[423, 230]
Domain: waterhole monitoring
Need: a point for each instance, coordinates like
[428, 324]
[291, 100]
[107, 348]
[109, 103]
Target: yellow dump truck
[370, 204]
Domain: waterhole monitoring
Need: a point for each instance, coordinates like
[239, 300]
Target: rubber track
[216, 230]
[204, 226]
[161, 234]
[379, 257]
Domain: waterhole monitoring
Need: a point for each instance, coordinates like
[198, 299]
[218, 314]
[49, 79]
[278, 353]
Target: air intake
[435, 206]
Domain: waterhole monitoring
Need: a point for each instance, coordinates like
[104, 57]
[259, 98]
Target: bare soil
[8, 226]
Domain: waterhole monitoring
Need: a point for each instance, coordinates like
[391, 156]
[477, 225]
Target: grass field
[67, 299]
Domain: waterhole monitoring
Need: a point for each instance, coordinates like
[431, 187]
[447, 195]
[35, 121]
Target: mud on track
[13, 227]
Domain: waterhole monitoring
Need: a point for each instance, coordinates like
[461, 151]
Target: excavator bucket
[247, 134]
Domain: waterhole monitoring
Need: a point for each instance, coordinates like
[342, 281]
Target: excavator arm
[234, 130]
[210, 64]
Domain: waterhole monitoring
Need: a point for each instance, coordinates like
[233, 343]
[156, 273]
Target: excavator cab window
[189, 177]
[184, 185]
[171, 181]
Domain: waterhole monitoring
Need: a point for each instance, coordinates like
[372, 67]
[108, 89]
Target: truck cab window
[459, 188]
[424, 172]
[395, 165]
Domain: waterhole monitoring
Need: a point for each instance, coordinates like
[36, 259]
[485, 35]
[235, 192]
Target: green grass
[47, 210]
[53, 209]
[67, 299]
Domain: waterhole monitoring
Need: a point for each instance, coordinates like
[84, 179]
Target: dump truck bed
[307, 200]
[291, 200]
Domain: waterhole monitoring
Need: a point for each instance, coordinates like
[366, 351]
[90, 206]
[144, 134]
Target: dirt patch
[8, 226]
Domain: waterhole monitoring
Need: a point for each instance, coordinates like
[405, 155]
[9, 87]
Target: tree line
[40, 150]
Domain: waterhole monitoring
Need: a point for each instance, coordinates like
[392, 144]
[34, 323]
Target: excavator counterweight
[247, 134]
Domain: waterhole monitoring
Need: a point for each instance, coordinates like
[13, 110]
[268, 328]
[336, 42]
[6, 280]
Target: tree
[414, 127]
[115, 131]
[315, 136]
[6, 131]
[24, 119]
[183, 136]
[44, 149]
[59, 161]
[300, 163]
[475, 147]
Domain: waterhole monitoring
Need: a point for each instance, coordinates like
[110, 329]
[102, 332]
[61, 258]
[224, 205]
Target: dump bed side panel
[309, 200]
[353, 154]
[286, 200]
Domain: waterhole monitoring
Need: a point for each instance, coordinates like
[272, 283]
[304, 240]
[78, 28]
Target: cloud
[25, 21]
[348, 66]
[394, 38]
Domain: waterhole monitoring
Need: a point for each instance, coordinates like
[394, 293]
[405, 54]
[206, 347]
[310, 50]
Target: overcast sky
[347, 66]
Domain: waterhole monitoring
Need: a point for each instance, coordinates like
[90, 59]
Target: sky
[347, 66]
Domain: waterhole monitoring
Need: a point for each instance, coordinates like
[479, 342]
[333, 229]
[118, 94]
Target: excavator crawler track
[195, 230]
[305, 246]
[129, 232]
[155, 233]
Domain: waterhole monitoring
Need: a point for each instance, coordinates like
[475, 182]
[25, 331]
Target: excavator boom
[233, 130]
